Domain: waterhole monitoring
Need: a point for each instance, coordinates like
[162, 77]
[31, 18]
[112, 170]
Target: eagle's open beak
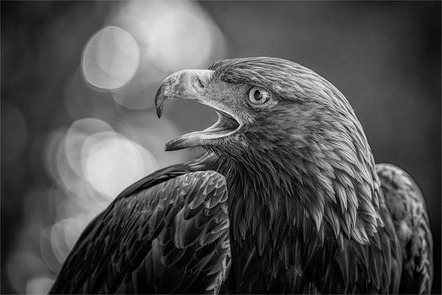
[192, 84]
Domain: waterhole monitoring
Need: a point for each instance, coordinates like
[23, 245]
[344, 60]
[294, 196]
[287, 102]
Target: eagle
[285, 198]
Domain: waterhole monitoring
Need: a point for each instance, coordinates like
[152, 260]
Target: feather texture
[410, 219]
[149, 242]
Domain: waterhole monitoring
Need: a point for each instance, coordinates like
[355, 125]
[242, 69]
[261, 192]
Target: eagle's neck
[279, 202]
[269, 222]
[270, 196]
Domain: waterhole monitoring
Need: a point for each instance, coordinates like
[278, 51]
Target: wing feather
[167, 233]
[410, 218]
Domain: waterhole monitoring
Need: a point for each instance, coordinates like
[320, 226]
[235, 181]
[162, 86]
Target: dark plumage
[286, 199]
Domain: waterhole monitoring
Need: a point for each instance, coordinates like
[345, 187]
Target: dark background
[385, 57]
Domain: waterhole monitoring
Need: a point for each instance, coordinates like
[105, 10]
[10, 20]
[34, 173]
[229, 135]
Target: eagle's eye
[258, 95]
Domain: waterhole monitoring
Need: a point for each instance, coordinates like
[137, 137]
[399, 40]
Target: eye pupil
[258, 95]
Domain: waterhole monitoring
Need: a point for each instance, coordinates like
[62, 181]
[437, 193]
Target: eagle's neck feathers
[320, 189]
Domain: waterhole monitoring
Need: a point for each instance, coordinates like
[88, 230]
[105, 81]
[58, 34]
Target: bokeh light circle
[77, 133]
[110, 58]
[112, 162]
[39, 285]
[181, 40]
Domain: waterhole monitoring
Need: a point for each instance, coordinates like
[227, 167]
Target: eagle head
[263, 103]
[279, 117]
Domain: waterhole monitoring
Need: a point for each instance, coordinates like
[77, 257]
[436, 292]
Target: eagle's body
[286, 199]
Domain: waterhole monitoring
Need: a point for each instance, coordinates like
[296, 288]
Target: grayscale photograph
[220, 147]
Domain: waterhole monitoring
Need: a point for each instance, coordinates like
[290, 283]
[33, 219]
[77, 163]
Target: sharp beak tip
[160, 99]
[159, 112]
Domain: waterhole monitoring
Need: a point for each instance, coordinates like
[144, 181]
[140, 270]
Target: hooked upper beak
[192, 84]
[186, 84]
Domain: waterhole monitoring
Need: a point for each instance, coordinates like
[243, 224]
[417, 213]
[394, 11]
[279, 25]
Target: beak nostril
[199, 83]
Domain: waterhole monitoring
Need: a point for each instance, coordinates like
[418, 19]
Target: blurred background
[78, 81]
